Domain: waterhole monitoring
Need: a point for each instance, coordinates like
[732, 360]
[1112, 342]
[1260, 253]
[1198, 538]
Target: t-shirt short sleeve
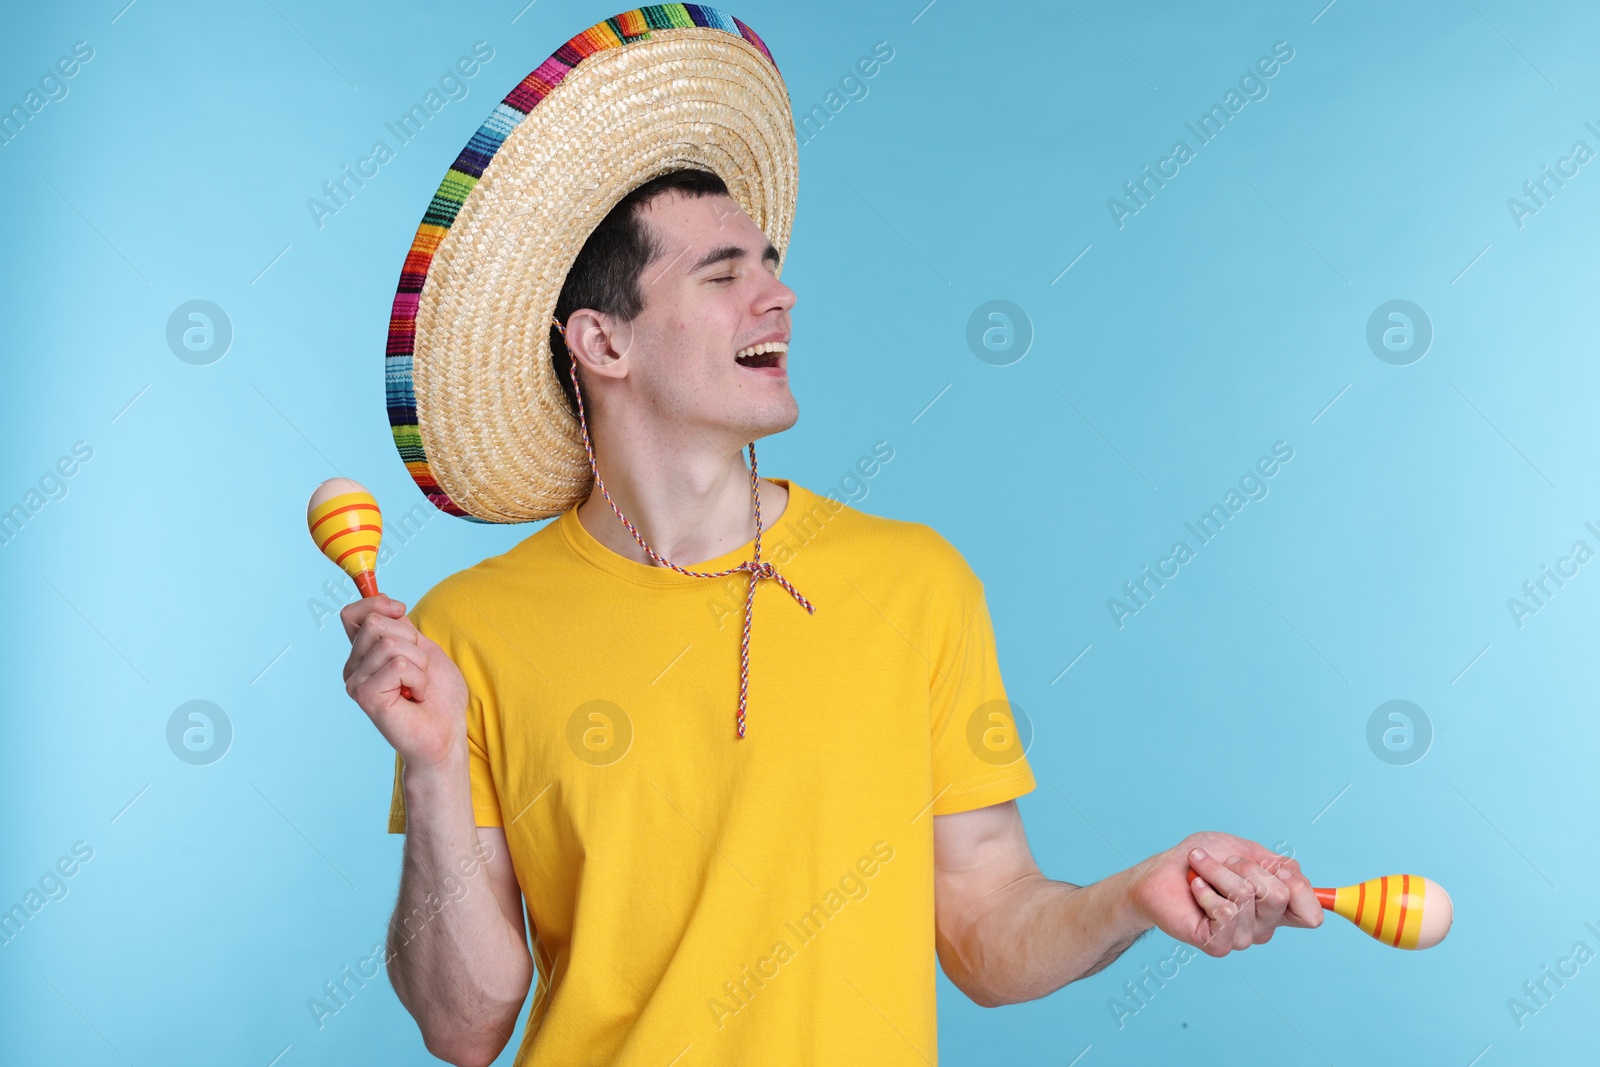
[978, 756]
[445, 616]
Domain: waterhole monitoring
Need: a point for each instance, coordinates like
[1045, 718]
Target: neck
[688, 497]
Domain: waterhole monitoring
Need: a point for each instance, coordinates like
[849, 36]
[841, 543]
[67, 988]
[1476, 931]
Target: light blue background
[1225, 316]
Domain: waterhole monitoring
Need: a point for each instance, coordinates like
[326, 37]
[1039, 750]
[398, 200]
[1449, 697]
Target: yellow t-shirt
[699, 898]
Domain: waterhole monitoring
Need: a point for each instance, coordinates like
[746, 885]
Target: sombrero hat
[477, 413]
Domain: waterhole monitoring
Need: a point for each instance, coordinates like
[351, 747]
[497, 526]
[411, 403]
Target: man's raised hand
[387, 652]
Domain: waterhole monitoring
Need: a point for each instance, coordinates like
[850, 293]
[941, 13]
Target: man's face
[712, 296]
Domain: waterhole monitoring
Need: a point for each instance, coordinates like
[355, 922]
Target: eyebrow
[723, 253]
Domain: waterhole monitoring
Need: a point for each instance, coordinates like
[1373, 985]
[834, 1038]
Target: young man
[714, 873]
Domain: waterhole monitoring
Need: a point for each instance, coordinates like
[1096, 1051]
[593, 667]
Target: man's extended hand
[1244, 894]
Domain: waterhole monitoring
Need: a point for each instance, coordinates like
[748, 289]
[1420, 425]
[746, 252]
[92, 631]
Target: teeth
[762, 349]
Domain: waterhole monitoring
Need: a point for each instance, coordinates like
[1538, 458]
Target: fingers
[1228, 881]
[1239, 879]
[1246, 896]
[356, 612]
[1218, 908]
[376, 684]
[380, 651]
[375, 629]
[380, 642]
[1304, 909]
[1216, 935]
[1271, 897]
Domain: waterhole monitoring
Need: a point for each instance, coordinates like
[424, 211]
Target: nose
[775, 296]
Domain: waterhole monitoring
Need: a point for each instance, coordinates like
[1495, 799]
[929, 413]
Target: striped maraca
[1400, 910]
[347, 526]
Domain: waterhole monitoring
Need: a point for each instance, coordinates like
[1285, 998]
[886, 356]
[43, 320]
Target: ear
[600, 343]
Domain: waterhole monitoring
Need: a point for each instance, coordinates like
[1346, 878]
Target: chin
[783, 418]
[770, 420]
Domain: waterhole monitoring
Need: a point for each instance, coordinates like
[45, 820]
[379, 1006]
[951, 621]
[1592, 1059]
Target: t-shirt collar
[587, 547]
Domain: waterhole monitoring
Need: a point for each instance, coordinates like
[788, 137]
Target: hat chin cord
[757, 567]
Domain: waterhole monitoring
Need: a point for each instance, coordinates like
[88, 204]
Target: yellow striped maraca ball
[347, 526]
[1400, 910]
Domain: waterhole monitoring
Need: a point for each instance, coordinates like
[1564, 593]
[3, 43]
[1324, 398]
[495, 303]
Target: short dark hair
[605, 276]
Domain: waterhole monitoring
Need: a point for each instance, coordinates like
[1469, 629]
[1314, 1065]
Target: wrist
[432, 775]
[1132, 912]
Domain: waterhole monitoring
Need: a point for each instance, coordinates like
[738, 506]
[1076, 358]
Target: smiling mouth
[768, 355]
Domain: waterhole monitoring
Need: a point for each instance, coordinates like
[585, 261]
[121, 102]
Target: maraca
[347, 526]
[1400, 910]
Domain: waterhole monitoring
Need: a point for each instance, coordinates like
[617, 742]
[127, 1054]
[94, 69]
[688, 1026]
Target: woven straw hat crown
[475, 407]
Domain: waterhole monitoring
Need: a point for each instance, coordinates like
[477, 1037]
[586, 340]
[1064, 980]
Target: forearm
[1037, 935]
[455, 962]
